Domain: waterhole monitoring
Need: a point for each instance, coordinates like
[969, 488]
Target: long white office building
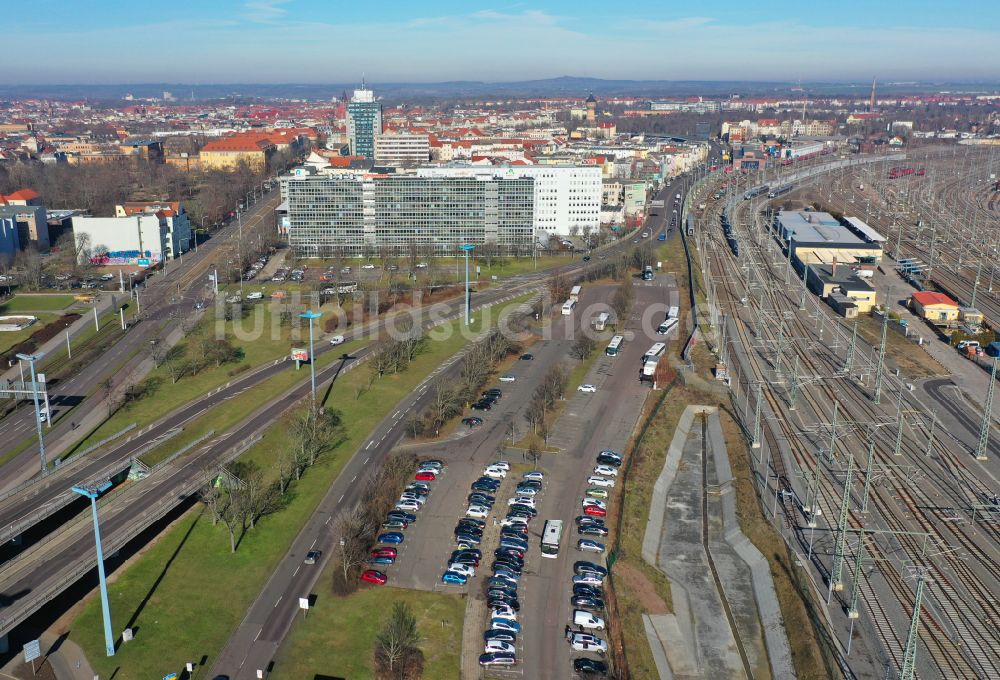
[567, 197]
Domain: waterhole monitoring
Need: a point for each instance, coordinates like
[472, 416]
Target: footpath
[65, 659]
[726, 621]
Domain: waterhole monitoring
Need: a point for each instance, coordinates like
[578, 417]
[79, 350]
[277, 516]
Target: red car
[384, 552]
[425, 476]
[595, 511]
[373, 576]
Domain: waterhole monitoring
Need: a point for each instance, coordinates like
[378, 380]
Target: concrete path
[66, 659]
[708, 636]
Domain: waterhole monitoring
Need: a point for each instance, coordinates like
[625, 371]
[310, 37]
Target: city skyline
[306, 41]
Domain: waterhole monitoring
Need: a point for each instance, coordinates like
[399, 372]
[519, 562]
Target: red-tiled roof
[927, 297]
[21, 195]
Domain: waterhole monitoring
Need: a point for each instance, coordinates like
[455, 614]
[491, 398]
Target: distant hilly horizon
[562, 86]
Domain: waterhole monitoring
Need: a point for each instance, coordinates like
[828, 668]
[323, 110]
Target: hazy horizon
[314, 42]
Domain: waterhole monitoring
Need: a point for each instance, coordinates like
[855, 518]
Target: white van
[586, 620]
[256, 295]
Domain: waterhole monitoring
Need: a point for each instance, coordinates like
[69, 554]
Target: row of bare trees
[239, 494]
[359, 527]
[543, 400]
[450, 398]
[188, 359]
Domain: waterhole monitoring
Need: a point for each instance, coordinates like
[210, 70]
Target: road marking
[331, 516]
[369, 445]
[354, 477]
[366, 460]
[257, 635]
[396, 414]
[313, 543]
[338, 500]
[278, 600]
[294, 573]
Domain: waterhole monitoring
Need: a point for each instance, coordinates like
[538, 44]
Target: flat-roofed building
[936, 308]
[843, 289]
[819, 238]
[366, 214]
[400, 148]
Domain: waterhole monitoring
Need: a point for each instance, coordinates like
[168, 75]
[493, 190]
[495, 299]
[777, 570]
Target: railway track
[975, 657]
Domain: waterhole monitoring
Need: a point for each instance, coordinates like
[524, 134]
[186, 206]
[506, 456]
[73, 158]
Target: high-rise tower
[364, 122]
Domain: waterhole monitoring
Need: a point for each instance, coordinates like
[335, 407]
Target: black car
[483, 486]
[481, 497]
[494, 393]
[592, 530]
[509, 558]
[470, 560]
[472, 421]
[586, 258]
[471, 539]
[501, 582]
[608, 460]
[506, 573]
[587, 519]
[483, 405]
[471, 552]
[527, 357]
[505, 563]
[470, 525]
[587, 590]
[589, 667]
[514, 532]
[469, 521]
[407, 517]
[488, 481]
[584, 602]
[510, 602]
[500, 635]
[517, 507]
[513, 552]
[512, 542]
[585, 567]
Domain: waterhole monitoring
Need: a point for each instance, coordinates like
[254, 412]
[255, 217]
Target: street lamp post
[467, 247]
[92, 493]
[31, 359]
[312, 358]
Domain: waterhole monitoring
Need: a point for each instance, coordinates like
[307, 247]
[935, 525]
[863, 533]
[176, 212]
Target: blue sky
[334, 41]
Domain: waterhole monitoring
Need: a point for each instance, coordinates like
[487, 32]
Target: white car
[587, 387]
[588, 579]
[584, 642]
[507, 377]
[495, 471]
[337, 340]
[421, 265]
[477, 512]
[256, 295]
[522, 500]
[409, 496]
[527, 491]
[606, 470]
[514, 521]
[502, 464]
[369, 265]
[466, 570]
[499, 647]
[601, 481]
[408, 506]
[596, 502]
[535, 475]
[503, 611]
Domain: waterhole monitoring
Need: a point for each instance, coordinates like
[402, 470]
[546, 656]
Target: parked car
[502, 635]
[497, 659]
[587, 620]
[502, 623]
[595, 511]
[425, 476]
[587, 602]
[585, 567]
[597, 480]
[382, 559]
[384, 552]
[508, 378]
[606, 470]
[472, 421]
[390, 537]
[587, 545]
[373, 576]
[534, 475]
[499, 647]
[478, 511]
[597, 492]
[587, 387]
[585, 642]
[585, 666]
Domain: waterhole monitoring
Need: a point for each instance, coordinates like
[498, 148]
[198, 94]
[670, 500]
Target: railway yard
[876, 488]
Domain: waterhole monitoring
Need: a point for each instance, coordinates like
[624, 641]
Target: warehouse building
[842, 288]
[935, 308]
[819, 238]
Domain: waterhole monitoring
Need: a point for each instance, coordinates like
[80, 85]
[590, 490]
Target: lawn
[337, 637]
[260, 336]
[39, 303]
[10, 339]
[191, 572]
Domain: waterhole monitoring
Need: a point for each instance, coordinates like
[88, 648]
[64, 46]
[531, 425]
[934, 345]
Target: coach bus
[551, 535]
[615, 345]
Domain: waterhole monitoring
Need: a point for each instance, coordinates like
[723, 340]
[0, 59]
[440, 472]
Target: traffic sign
[32, 650]
[299, 354]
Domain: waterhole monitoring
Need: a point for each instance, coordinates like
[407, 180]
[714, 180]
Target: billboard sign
[299, 354]
[142, 261]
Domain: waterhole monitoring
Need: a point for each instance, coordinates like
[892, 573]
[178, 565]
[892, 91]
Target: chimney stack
[833, 269]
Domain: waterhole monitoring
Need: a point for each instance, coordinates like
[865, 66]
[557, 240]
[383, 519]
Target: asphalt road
[162, 309]
[960, 419]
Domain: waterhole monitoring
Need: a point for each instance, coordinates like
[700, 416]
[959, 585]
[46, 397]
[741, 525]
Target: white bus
[551, 535]
[673, 312]
[649, 368]
[574, 293]
[601, 321]
[654, 352]
[666, 326]
[568, 306]
[615, 345]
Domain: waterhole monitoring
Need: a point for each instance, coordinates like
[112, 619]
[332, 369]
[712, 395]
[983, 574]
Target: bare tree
[211, 496]
[397, 640]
